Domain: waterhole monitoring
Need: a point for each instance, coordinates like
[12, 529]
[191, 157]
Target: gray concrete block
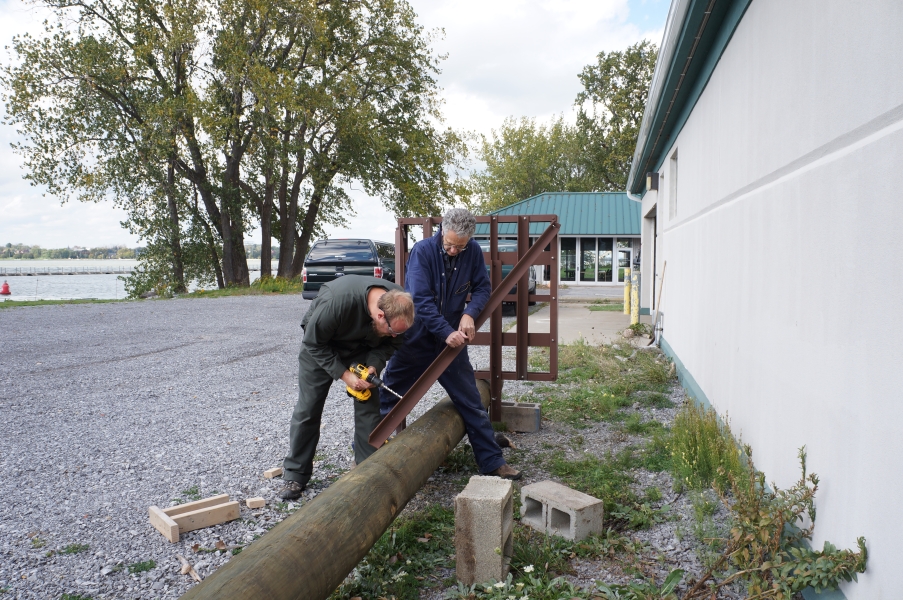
[523, 417]
[484, 530]
[558, 510]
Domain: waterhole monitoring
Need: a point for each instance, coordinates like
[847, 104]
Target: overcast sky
[505, 58]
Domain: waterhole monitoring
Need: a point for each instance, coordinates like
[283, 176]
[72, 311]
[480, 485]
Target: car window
[341, 250]
[386, 252]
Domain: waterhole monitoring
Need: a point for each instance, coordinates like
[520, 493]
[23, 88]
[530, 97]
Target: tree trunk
[178, 269]
[302, 242]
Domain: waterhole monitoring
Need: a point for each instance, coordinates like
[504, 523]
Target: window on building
[604, 268]
[672, 190]
[587, 259]
[568, 264]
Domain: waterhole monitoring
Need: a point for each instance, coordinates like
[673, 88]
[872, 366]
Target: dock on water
[73, 270]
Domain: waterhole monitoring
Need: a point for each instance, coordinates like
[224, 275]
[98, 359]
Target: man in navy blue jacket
[441, 271]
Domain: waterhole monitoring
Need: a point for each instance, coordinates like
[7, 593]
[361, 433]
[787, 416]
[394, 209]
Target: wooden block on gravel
[274, 472]
[255, 502]
[181, 518]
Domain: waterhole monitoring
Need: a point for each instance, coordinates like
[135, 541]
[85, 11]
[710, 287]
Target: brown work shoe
[292, 490]
[506, 472]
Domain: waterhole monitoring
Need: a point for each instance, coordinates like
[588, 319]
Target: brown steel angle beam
[445, 358]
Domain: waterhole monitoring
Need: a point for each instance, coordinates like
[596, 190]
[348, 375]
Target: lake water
[70, 287]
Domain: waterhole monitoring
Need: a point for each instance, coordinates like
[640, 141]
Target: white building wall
[785, 259]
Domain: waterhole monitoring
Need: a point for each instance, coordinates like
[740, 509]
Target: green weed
[74, 597]
[141, 567]
[193, 493]
[74, 548]
[37, 542]
[405, 557]
[703, 450]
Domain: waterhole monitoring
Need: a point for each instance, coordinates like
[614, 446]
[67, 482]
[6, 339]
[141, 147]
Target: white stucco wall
[784, 281]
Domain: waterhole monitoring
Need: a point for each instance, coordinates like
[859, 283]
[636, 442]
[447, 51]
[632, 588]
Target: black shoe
[292, 490]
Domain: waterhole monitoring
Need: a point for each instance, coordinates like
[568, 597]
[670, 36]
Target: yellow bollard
[634, 298]
[626, 291]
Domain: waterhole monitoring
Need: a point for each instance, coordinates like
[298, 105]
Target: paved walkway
[576, 320]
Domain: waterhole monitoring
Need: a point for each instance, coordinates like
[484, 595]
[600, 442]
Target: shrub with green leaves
[767, 547]
[703, 450]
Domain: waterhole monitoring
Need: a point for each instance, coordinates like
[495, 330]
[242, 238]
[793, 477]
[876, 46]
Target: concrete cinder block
[484, 530]
[524, 417]
[558, 510]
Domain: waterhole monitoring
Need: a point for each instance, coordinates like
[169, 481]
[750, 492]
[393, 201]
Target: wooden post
[310, 553]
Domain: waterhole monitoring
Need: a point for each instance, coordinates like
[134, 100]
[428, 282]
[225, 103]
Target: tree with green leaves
[199, 118]
[524, 158]
[610, 111]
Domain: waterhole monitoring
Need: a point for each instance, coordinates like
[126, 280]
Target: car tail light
[304, 275]
[378, 272]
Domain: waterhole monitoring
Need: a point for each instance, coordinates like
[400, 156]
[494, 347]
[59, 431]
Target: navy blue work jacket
[439, 303]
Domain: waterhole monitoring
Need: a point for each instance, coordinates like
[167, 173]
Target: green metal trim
[725, 33]
[697, 77]
[645, 311]
[695, 392]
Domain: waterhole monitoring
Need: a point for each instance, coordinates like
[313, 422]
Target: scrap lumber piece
[207, 516]
[164, 524]
[255, 502]
[274, 472]
[175, 520]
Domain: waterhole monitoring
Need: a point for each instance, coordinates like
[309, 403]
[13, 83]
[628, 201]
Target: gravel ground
[107, 409]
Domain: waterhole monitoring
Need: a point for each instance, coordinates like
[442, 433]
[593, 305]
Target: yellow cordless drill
[364, 373]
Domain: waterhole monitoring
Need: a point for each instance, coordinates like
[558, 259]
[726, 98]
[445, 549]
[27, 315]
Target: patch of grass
[635, 425]
[581, 406]
[656, 454]
[608, 377]
[193, 493]
[75, 597]
[405, 559]
[548, 554]
[37, 542]
[608, 478]
[606, 307]
[654, 400]
[141, 567]
[21, 303]
[264, 285]
[236, 551]
[703, 450]
[460, 460]
[74, 548]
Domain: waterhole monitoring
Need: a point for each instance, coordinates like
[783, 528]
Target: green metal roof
[580, 213]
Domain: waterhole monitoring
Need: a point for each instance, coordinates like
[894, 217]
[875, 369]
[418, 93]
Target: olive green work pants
[304, 432]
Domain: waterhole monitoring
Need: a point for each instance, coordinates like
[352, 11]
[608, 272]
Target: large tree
[199, 118]
[524, 158]
[610, 110]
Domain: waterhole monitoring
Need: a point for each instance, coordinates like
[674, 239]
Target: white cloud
[505, 58]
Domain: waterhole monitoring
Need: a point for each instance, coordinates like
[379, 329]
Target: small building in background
[599, 237]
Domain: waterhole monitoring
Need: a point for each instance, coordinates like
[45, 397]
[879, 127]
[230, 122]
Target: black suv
[510, 246]
[329, 259]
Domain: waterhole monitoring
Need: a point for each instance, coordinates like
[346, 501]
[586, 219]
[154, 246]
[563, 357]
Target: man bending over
[353, 320]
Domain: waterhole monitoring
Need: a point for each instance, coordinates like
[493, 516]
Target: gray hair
[461, 221]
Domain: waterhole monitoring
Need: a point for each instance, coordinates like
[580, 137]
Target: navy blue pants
[458, 380]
